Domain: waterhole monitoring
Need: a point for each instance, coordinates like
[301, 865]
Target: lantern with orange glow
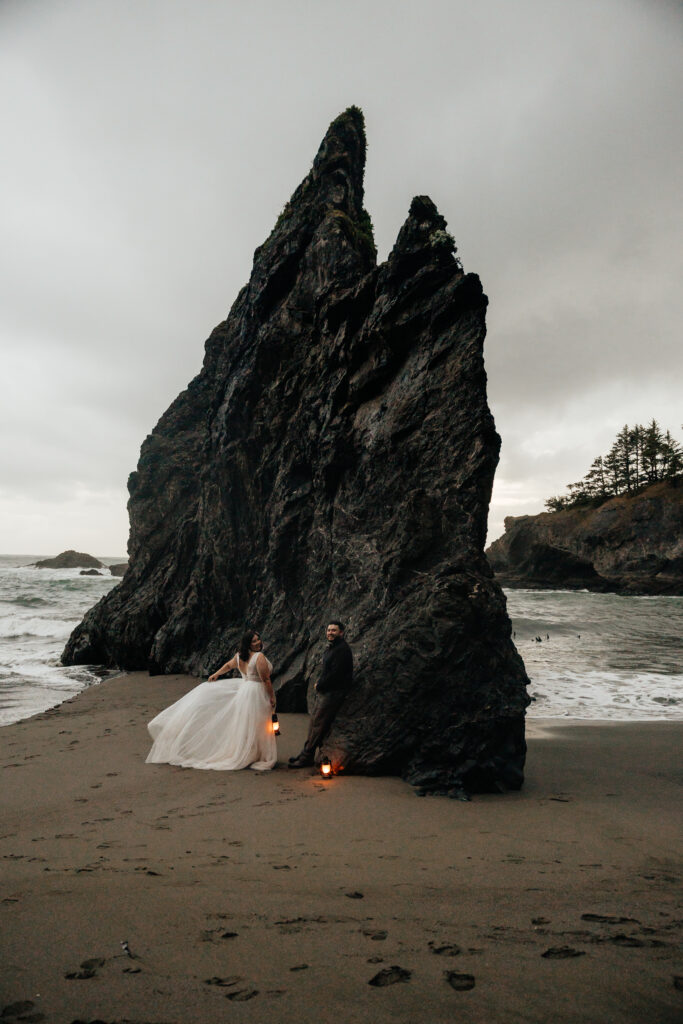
[326, 768]
[276, 725]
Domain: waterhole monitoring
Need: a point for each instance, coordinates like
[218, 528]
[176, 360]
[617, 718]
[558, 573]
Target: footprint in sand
[88, 969]
[228, 982]
[21, 1011]
[242, 995]
[632, 942]
[216, 933]
[459, 982]
[562, 953]
[609, 919]
[390, 976]
[449, 950]
[376, 936]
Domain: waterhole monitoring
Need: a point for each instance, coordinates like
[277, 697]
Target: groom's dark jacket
[337, 670]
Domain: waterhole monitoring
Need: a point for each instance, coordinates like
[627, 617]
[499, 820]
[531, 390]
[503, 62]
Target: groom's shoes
[300, 762]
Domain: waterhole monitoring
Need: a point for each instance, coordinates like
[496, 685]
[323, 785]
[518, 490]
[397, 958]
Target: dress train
[224, 726]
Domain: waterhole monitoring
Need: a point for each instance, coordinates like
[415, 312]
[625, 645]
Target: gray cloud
[149, 147]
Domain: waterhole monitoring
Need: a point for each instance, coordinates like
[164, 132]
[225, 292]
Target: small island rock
[69, 560]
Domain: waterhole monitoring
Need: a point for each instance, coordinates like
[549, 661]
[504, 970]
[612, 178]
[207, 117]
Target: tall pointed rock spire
[335, 458]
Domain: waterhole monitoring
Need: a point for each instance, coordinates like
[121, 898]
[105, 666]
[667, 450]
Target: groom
[335, 680]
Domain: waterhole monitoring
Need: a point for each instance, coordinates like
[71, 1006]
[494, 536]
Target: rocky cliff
[335, 458]
[627, 545]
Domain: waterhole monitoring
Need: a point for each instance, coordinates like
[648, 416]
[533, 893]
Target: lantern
[276, 725]
[326, 768]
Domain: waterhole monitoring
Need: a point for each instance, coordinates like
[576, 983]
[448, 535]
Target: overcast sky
[149, 145]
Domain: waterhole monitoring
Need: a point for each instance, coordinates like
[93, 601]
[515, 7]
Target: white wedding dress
[224, 725]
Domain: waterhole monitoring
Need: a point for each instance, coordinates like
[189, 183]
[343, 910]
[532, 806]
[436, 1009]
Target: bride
[222, 725]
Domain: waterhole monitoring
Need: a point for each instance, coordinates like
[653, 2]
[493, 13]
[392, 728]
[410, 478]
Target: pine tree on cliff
[638, 457]
[652, 451]
[672, 457]
[625, 458]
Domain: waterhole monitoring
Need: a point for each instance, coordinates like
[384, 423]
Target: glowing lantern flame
[326, 768]
[276, 725]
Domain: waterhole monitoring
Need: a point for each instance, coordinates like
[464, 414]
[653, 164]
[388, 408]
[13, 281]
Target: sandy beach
[279, 897]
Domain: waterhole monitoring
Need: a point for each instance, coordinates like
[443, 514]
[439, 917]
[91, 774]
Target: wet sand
[279, 897]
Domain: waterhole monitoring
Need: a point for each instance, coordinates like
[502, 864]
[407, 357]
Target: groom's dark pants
[326, 707]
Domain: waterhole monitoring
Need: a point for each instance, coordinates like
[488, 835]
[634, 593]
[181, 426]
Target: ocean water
[38, 610]
[600, 656]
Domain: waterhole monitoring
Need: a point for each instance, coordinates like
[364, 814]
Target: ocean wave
[602, 694]
[27, 601]
[13, 627]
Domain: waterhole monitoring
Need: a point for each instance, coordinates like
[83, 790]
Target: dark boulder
[90, 572]
[69, 560]
[335, 458]
[119, 569]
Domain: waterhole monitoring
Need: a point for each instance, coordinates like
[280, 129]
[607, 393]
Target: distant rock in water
[626, 545]
[90, 572]
[119, 569]
[69, 560]
[334, 459]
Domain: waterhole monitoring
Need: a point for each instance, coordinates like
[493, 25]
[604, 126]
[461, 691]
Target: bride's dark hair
[245, 644]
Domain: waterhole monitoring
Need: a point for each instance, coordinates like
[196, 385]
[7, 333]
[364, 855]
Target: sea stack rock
[334, 459]
[69, 560]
